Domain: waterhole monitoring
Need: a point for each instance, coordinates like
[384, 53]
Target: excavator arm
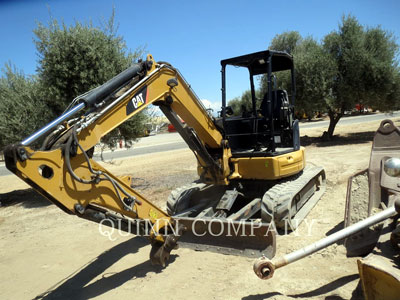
[163, 86]
[64, 172]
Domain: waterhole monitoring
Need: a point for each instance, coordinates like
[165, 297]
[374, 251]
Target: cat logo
[137, 101]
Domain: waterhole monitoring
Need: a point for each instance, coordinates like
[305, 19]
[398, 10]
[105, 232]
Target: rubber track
[179, 199]
[276, 202]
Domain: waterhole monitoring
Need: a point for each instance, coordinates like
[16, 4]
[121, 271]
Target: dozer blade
[249, 239]
[289, 202]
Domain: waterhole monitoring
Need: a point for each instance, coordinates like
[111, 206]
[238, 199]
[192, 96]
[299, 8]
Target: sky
[191, 35]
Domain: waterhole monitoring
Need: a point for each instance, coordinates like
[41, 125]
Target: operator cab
[269, 128]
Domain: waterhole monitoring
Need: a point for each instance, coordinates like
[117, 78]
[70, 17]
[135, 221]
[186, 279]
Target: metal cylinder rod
[265, 268]
[341, 234]
[103, 91]
[29, 140]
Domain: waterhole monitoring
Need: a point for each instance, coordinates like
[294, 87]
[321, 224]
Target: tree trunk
[334, 118]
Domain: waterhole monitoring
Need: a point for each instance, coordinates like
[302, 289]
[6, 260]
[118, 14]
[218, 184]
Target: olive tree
[353, 65]
[74, 59]
[22, 110]
[366, 69]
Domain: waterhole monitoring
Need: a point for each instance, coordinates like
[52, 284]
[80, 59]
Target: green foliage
[382, 70]
[128, 131]
[314, 73]
[287, 41]
[21, 109]
[75, 59]
[353, 65]
[367, 71]
[243, 103]
[72, 60]
[346, 47]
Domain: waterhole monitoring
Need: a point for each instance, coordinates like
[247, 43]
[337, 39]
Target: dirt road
[45, 253]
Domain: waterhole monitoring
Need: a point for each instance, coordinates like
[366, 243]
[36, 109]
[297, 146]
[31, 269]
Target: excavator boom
[63, 171]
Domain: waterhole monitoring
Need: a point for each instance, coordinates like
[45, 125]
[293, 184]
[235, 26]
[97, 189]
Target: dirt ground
[47, 254]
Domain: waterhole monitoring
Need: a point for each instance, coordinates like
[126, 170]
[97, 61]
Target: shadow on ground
[339, 226]
[351, 138]
[327, 288]
[76, 285]
[29, 198]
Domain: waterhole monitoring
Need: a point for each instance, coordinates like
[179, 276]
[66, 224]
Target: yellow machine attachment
[379, 245]
[372, 228]
[235, 186]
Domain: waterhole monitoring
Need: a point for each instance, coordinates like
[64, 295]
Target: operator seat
[281, 101]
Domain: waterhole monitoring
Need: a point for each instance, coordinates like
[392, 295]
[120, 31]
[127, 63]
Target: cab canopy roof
[257, 62]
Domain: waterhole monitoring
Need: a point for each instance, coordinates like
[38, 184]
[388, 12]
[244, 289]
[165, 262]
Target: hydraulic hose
[96, 174]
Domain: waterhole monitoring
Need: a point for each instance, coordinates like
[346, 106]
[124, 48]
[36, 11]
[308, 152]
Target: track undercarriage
[285, 202]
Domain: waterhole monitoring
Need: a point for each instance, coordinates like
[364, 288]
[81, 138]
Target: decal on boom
[137, 101]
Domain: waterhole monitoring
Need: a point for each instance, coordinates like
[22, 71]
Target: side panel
[268, 168]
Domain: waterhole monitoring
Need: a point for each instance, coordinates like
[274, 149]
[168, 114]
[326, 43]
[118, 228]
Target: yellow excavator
[251, 167]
